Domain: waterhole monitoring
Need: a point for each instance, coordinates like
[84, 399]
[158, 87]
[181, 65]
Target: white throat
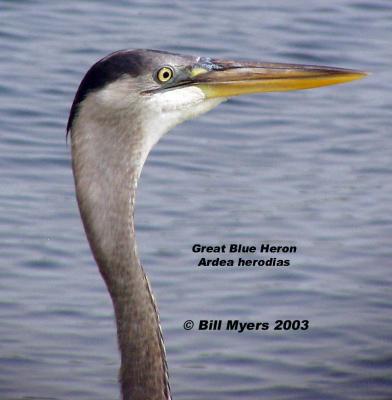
[165, 110]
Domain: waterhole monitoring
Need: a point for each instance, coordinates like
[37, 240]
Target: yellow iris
[165, 74]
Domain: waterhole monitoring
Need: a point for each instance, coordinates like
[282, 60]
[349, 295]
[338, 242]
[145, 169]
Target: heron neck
[107, 162]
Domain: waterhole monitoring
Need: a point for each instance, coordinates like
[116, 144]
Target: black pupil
[166, 74]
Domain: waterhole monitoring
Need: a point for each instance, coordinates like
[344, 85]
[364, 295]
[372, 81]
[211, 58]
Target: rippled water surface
[311, 169]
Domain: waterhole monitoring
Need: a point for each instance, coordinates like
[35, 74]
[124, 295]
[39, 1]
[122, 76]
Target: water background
[308, 168]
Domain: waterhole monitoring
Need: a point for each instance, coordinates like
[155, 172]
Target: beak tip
[356, 75]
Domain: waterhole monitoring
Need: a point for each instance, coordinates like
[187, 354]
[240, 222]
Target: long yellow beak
[228, 78]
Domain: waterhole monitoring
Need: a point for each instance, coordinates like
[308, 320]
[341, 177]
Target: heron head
[152, 91]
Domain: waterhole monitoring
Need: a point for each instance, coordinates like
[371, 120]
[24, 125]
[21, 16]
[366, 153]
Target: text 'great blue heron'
[125, 103]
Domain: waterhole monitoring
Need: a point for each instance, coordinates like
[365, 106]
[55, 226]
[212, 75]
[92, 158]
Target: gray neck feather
[107, 158]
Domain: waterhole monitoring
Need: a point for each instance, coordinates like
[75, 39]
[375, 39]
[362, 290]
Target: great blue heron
[124, 104]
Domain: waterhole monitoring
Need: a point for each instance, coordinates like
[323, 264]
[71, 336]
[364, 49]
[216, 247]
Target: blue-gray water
[308, 168]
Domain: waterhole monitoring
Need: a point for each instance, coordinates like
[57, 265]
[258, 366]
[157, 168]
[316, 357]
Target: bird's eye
[165, 74]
